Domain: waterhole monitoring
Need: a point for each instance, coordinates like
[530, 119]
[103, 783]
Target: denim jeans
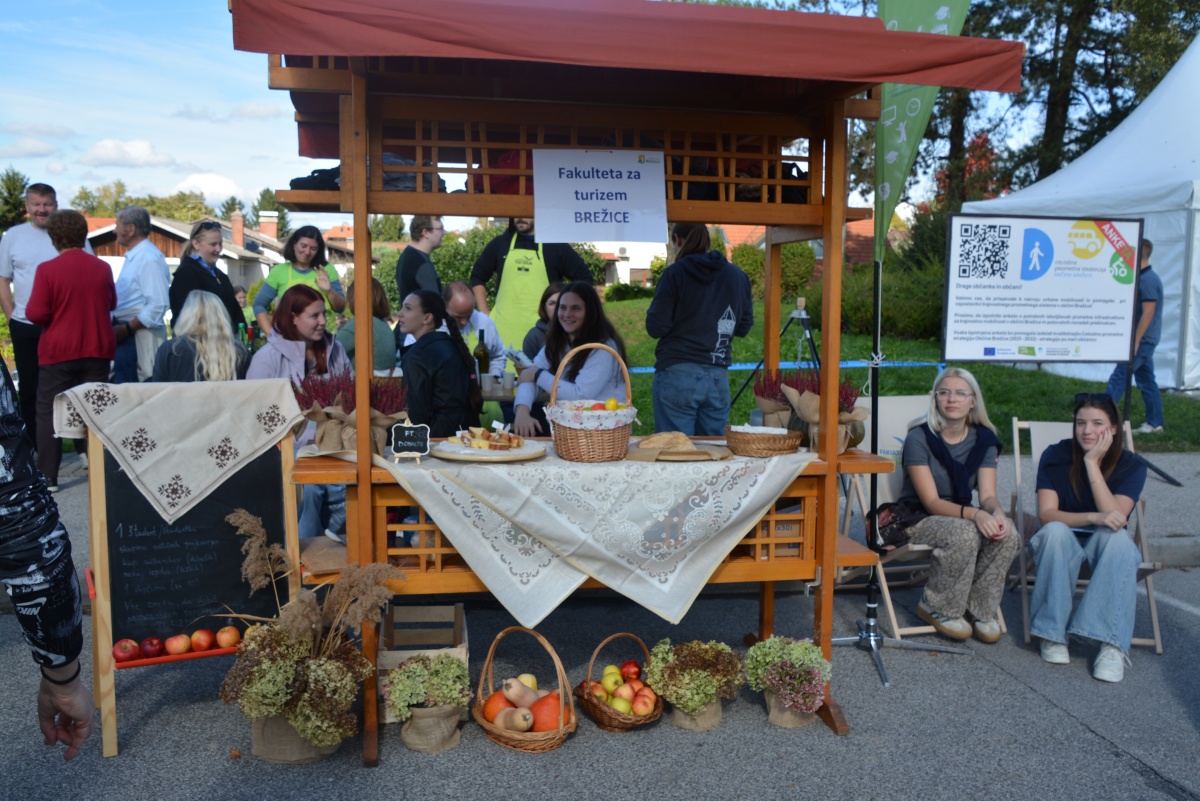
[323, 507]
[1106, 611]
[1143, 376]
[692, 398]
[125, 363]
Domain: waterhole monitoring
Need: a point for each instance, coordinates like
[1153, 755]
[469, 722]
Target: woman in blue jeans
[700, 304]
[1087, 486]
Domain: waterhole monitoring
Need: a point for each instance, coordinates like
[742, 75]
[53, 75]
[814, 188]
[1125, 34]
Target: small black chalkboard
[410, 440]
[163, 576]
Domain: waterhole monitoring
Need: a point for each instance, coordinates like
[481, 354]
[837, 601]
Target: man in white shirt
[473, 324]
[23, 248]
[142, 298]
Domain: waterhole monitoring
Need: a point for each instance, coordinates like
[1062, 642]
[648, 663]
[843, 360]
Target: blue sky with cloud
[148, 91]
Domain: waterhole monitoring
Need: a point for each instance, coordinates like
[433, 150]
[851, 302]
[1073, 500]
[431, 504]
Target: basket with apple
[516, 714]
[620, 700]
[591, 431]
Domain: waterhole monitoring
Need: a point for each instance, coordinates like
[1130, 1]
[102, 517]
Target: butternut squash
[518, 693]
[514, 719]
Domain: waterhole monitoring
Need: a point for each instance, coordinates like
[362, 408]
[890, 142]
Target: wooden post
[103, 666]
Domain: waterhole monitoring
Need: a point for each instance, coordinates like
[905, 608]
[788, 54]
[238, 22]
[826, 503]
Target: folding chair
[1041, 436]
[897, 414]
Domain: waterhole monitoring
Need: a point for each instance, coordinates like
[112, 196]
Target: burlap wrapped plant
[807, 406]
[329, 401]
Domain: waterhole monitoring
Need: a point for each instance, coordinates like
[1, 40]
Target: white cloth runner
[179, 442]
[653, 531]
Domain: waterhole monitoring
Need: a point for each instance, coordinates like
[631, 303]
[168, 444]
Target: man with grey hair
[22, 249]
[142, 298]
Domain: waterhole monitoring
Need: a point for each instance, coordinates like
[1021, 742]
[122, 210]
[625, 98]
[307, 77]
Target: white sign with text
[1040, 289]
[600, 195]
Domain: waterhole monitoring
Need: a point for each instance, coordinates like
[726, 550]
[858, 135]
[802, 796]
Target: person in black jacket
[198, 270]
[443, 392]
[700, 304]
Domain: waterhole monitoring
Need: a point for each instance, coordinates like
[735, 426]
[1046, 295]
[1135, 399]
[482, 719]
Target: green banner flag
[905, 108]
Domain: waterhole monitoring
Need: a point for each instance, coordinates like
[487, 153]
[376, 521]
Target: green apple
[529, 680]
[611, 681]
[621, 705]
[611, 669]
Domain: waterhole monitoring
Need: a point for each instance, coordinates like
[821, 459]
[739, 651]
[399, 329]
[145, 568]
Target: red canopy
[632, 34]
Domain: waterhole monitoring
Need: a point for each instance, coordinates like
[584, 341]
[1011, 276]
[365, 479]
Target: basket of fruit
[587, 430]
[762, 441]
[620, 701]
[517, 714]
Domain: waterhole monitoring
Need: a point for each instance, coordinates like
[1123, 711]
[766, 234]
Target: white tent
[1148, 167]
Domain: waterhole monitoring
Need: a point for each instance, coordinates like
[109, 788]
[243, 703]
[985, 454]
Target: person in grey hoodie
[700, 304]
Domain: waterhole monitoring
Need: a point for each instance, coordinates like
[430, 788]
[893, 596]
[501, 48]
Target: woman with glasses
[946, 460]
[1086, 488]
[198, 270]
[305, 266]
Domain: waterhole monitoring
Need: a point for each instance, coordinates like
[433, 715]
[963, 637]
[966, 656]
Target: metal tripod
[870, 639]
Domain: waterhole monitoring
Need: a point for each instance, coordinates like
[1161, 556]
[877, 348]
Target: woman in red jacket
[72, 300]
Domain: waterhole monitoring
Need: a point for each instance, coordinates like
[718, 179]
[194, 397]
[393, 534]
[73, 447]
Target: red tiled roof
[742, 235]
[340, 231]
[96, 223]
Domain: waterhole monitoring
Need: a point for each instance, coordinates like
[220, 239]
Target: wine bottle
[481, 355]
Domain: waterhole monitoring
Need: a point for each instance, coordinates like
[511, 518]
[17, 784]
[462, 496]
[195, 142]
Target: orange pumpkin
[494, 703]
[545, 712]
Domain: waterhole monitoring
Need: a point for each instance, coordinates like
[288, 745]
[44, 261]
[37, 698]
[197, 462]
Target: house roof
[637, 34]
[859, 244]
[742, 235]
[270, 250]
[340, 231]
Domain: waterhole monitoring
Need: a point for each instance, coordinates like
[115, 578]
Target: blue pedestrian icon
[1037, 254]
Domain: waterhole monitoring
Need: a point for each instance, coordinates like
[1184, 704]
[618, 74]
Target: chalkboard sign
[410, 440]
[163, 576]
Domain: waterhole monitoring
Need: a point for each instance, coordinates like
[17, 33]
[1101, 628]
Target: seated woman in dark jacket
[203, 348]
[443, 393]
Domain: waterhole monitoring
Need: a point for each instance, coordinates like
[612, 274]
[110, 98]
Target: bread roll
[668, 441]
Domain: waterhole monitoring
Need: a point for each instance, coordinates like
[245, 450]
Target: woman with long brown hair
[299, 345]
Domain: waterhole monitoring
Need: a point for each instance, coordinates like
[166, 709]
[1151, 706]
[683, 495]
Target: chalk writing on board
[410, 440]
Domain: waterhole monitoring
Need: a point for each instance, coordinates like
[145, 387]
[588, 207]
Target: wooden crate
[411, 630]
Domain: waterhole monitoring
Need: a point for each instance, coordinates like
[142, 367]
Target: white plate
[457, 452]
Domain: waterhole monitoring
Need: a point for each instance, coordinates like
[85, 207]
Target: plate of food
[481, 445]
[675, 446]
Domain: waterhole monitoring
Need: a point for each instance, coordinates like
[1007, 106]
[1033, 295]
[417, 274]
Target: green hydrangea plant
[795, 670]
[693, 674]
[442, 680]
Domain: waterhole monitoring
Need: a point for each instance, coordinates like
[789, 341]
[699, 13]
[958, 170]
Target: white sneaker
[83, 461]
[1055, 653]
[333, 535]
[1110, 664]
[1146, 428]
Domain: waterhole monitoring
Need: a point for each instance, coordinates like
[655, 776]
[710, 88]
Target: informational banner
[600, 195]
[904, 107]
[1040, 289]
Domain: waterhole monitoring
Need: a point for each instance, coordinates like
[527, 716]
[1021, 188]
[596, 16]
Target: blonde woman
[199, 269]
[946, 460]
[203, 348]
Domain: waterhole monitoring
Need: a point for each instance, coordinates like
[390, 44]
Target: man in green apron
[525, 268]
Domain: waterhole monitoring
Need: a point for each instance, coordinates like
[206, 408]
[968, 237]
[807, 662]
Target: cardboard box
[786, 529]
[410, 630]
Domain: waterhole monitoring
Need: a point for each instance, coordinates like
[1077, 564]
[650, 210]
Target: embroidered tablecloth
[653, 531]
[179, 442]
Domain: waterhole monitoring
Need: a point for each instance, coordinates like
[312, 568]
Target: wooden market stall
[748, 106]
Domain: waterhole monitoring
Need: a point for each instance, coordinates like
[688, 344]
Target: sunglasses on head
[208, 226]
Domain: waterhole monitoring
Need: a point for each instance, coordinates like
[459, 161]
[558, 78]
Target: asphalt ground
[998, 724]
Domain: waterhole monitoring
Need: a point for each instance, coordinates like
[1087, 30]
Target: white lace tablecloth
[653, 531]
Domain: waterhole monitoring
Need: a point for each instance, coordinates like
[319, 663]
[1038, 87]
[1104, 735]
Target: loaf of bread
[668, 441]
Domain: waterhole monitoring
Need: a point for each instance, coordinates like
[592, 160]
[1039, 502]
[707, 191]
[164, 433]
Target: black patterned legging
[967, 569]
[40, 576]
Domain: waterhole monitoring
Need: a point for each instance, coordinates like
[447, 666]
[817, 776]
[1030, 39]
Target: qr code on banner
[983, 250]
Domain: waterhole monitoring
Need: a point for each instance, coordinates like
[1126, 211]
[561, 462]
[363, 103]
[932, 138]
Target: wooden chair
[1041, 436]
[909, 563]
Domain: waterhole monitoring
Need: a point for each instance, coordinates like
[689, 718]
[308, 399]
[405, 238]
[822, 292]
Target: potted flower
[693, 677]
[429, 694]
[330, 402]
[297, 674]
[792, 674]
[768, 394]
[804, 395]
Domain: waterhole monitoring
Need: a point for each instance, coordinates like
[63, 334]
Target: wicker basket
[533, 742]
[762, 445]
[604, 715]
[586, 445]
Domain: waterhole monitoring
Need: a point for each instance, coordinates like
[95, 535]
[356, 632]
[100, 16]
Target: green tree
[657, 265]
[103, 201]
[799, 261]
[230, 205]
[387, 228]
[458, 253]
[183, 206]
[385, 271]
[12, 197]
[593, 259]
[267, 202]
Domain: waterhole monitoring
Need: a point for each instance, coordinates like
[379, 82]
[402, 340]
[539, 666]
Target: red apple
[179, 644]
[646, 692]
[642, 705]
[126, 651]
[228, 636]
[598, 407]
[624, 691]
[636, 684]
[630, 669]
[597, 689]
[203, 640]
[152, 647]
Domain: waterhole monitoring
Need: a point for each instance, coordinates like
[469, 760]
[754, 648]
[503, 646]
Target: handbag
[887, 526]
